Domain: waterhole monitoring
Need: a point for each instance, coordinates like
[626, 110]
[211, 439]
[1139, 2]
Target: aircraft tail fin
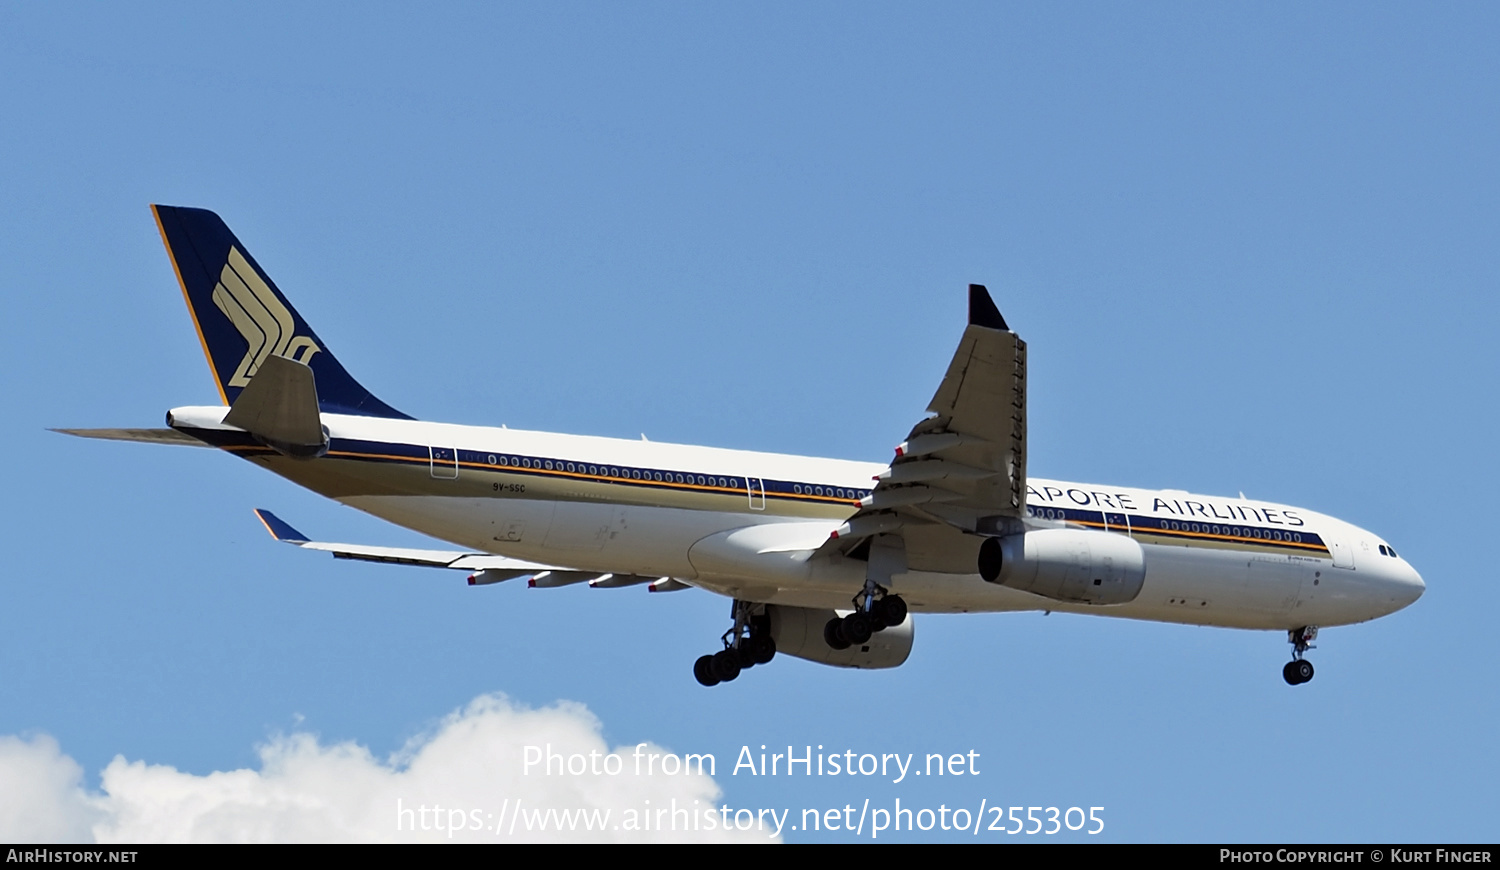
[243, 319]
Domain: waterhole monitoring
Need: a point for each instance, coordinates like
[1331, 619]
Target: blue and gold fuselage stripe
[553, 468]
[1175, 530]
[1147, 528]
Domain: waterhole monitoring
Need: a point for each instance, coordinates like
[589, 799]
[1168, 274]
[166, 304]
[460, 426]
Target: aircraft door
[1343, 555]
[443, 462]
[756, 489]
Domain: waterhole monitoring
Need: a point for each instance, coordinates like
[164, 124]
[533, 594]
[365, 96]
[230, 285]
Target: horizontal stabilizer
[146, 436]
[280, 407]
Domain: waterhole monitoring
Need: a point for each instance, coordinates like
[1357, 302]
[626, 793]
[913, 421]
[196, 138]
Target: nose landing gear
[747, 644]
[1299, 670]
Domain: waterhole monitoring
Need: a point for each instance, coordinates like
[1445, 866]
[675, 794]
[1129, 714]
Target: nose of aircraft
[1400, 584]
[1412, 585]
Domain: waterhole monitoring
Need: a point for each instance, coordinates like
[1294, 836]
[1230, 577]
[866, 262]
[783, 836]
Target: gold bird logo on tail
[260, 317]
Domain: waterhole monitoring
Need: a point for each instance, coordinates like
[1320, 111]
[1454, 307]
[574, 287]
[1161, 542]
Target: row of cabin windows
[1236, 531]
[658, 476]
[1202, 528]
[611, 471]
[836, 492]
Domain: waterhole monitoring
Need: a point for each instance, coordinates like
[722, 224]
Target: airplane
[823, 559]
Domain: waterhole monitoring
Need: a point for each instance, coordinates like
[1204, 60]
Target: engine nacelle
[798, 631]
[1066, 565]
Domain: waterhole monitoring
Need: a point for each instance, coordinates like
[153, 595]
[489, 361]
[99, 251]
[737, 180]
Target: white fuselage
[744, 524]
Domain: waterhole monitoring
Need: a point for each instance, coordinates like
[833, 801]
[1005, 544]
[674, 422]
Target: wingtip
[982, 309]
[279, 528]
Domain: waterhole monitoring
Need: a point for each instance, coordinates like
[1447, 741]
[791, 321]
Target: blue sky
[1252, 248]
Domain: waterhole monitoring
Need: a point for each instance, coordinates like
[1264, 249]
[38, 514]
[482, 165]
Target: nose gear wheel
[1299, 670]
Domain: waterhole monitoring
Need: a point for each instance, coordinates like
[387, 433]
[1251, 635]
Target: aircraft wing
[487, 568]
[961, 472]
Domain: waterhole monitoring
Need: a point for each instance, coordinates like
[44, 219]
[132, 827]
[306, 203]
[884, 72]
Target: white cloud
[41, 794]
[462, 782]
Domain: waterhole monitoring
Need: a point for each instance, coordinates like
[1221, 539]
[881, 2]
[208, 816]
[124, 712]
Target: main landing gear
[873, 614]
[875, 608]
[1299, 670]
[746, 645]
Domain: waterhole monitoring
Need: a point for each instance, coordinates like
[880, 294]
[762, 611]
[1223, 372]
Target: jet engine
[798, 631]
[1066, 565]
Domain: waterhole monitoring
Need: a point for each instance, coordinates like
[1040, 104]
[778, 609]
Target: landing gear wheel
[726, 665]
[833, 634]
[762, 649]
[1297, 672]
[857, 628]
[703, 669]
[746, 644]
[891, 609]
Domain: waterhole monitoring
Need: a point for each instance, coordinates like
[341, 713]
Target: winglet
[982, 310]
[279, 528]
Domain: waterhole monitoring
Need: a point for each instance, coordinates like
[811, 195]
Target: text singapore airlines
[824, 559]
